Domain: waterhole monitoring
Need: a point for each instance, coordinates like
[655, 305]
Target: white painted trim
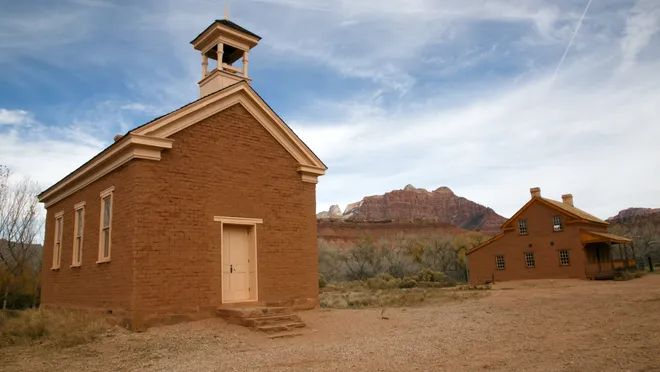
[148, 141]
[243, 221]
[57, 236]
[131, 146]
[76, 208]
[238, 220]
[239, 93]
[105, 193]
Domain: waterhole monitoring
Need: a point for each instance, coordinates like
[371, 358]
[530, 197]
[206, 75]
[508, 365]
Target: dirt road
[566, 325]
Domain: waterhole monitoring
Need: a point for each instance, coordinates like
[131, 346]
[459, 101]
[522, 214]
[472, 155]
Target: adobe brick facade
[165, 244]
[587, 259]
[541, 240]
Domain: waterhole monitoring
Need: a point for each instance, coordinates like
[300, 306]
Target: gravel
[568, 325]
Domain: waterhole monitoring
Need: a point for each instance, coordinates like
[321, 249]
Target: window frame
[57, 240]
[522, 225]
[527, 261]
[500, 259]
[78, 233]
[102, 258]
[568, 257]
[557, 226]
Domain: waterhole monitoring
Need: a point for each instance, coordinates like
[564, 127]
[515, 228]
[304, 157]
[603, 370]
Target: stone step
[285, 334]
[252, 312]
[280, 327]
[271, 319]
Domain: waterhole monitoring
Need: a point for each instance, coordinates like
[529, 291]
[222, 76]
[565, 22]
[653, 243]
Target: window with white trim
[78, 232]
[499, 262]
[57, 243]
[556, 223]
[105, 228]
[522, 226]
[529, 260]
[564, 258]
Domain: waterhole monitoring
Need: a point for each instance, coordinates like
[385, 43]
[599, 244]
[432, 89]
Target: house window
[105, 232]
[556, 223]
[499, 262]
[564, 259]
[522, 227]
[529, 260]
[78, 230]
[57, 245]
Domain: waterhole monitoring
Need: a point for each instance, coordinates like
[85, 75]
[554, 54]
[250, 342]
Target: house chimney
[535, 191]
[567, 199]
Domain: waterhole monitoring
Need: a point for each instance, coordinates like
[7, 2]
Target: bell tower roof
[224, 23]
[226, 43]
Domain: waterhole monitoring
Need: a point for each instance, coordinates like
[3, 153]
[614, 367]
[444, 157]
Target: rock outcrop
[629, 214]
[416, 205]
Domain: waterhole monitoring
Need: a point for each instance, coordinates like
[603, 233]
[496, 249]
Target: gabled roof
[230, 24]
[574, 212]
[148, 140]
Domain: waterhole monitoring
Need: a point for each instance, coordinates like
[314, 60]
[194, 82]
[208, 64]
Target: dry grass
[57, 328]
[359, 294]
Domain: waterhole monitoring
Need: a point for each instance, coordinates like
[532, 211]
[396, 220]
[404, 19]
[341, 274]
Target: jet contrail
[570, 42]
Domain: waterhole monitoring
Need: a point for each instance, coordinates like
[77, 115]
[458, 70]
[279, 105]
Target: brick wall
[105, 286]
[226, 165]
[545, 244]
[165, 244]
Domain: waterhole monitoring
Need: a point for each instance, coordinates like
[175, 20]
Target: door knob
[231, 269]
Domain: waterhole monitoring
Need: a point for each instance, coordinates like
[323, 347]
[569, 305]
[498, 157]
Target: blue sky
[465, 94]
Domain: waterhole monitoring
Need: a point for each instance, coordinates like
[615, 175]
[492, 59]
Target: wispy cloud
[457, 93]
[14, 117]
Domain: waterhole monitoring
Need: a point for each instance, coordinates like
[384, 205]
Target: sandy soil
[566, 325]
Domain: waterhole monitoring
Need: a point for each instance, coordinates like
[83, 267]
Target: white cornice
[148, 141]
[131, 146]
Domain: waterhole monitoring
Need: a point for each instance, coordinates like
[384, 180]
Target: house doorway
[239, 264]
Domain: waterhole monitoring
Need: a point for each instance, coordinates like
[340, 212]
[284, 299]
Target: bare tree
[19, 225]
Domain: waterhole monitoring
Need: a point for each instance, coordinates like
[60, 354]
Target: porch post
[632, 248]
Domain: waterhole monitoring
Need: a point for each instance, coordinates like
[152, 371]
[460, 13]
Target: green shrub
[408, 282]
[383, 281]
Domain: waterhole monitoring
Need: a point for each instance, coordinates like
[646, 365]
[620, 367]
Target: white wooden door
[235, 263]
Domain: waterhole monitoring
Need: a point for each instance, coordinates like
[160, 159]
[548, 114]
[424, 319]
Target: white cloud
[589, 134]
[642, 23]
[14, 117]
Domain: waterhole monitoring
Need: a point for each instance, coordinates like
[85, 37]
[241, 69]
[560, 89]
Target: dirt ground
[547, 325]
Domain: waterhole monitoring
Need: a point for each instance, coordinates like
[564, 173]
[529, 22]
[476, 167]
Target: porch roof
[602, 237]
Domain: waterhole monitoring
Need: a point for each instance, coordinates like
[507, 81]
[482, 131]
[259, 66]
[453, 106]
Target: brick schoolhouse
[548, 239]
[208, 205]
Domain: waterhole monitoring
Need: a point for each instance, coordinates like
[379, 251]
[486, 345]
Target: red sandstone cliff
[413, 205]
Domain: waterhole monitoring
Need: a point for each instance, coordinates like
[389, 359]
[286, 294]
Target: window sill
[103, 261]
[55, 268]
[74, 266]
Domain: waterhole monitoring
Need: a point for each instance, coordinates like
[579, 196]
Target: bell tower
[227, 46]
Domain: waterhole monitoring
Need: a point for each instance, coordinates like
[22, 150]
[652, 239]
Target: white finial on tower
[227, 9]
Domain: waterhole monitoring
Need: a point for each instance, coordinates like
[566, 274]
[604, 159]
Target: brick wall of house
[545, 243]
[105, 286]
[226, 165]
